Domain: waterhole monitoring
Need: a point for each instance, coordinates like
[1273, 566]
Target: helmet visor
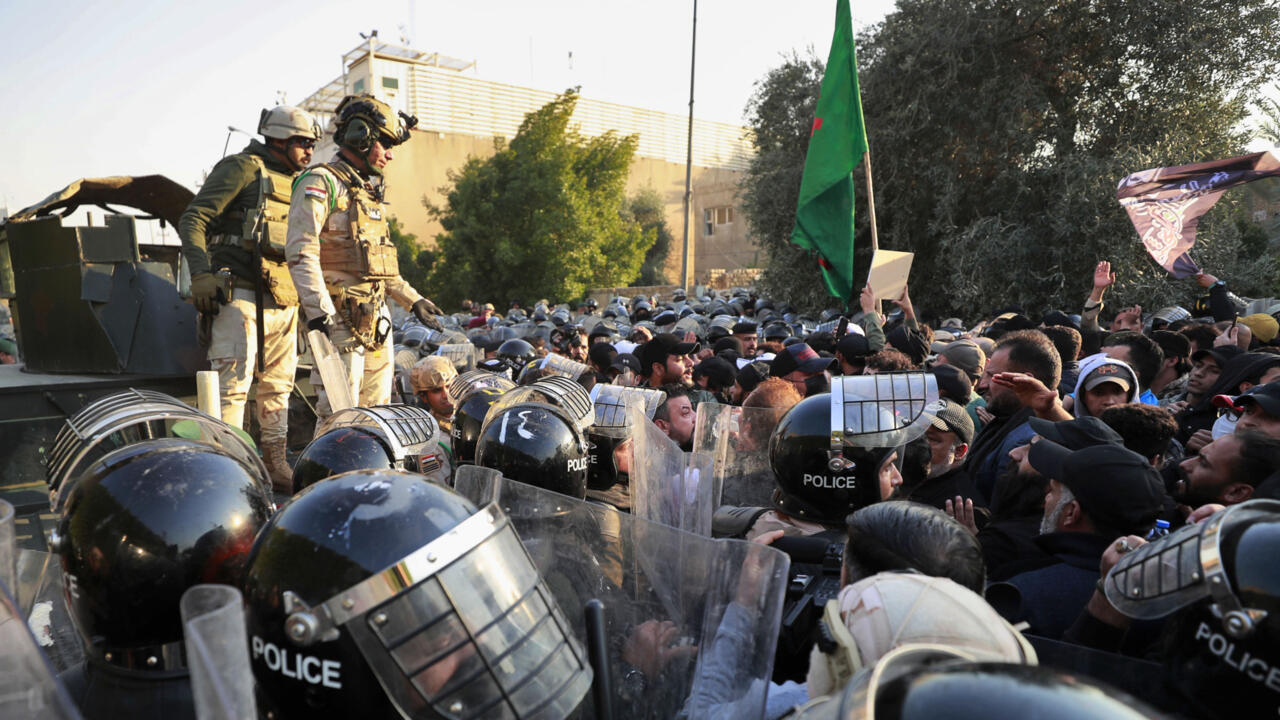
[882, 410]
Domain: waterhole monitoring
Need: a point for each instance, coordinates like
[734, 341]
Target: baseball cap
[662, 346]
[718, 371]
[1117, 488]
[951, 417]
[1108, 372]
[966, 355]
[1077, 434]
[798, 356]
[625, 361]
[487, 306]
[744, 328]
[1263, 326]
[728, 344]
[1266, 397]
[953, 383]
[1220, 353]
[853, 345]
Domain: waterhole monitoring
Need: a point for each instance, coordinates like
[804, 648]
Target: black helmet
[612, 427]
[516, 353]
[1222, 577]
[537, 444]
[914, 682]
[382, 437]
[143, 524]
[473, 393]
[377, 594]
[823, 473]
[340, 450]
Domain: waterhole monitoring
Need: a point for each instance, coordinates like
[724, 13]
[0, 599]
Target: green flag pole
[871, 209]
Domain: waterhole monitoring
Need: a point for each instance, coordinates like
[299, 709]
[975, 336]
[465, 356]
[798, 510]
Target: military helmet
[825, 470]
[375, 594]
[364, 119]
[537, 444]
[286, 121]
[433, 371]
[144, 523]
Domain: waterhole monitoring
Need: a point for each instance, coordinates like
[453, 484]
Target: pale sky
[137, 87]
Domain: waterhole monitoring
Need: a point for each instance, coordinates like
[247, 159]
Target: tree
[1000, 129]
[545, 216]
[414, 262]
[647, 210]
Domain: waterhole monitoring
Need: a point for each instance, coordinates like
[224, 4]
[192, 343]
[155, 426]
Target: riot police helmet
[829, 451]
[376, 594]
[473, 394]
[516, 353]
[537, 444]
[340, 450]
[144, 523]
[403, 437]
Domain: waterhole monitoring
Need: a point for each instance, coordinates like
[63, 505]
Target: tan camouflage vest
[365, 250]
[267, 226]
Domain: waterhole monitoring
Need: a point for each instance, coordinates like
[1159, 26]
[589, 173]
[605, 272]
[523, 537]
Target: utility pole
[686, 264]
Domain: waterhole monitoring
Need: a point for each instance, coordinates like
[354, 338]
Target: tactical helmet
[825, 470]
[143, 524]
[1220, 576]
[285, 121]
[403, 437]
[375, 594]
[537, 444]
[364, 119]
[433, 371]
[473, 394]
[516, 353]
[338, 451]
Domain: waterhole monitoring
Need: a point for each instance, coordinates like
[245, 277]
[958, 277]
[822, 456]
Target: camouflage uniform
[343, 264]
[212, 230]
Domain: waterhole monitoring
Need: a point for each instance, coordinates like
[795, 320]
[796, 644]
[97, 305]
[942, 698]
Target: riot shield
[737, 441]
[553, 364]
[40, 597]
[462, 355]
[691, 622]
[217, 652]
[28, 688]
[669, 486]
[8, 548]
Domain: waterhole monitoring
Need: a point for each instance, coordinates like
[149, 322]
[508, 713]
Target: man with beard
[948, 437]
[665, 360]
[676, 416]
[1228, 470]
[1008, 539]
[1021, 351]
[1095, 495]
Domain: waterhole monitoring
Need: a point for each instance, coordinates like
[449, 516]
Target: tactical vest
[265, 229]
[366, 251]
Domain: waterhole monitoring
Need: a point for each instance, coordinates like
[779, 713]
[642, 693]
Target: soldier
[431, 377]
[340, 251]
[233, 239]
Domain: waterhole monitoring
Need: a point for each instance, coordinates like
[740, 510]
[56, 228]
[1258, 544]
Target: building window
[391, 83]
[358, 86]
[711, 217]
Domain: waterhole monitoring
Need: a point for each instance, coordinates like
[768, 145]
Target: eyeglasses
[304, 143]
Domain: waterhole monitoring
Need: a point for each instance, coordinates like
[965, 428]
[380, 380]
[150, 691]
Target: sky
[137, 87]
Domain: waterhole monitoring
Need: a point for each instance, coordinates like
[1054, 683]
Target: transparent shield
[554, 364]
[43, 601]
[217, 652]
[462, 355]
[611, 403]
[695, 619]
[669, 486]
[8, 549]
[737, 441]
[883, 410]
[466, 628]
[28, 688]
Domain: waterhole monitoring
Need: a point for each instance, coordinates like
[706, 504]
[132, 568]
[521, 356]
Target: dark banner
[1165, 204]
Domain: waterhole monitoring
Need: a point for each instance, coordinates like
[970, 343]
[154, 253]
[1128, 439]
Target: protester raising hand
[1103, 278]
[1033, 393]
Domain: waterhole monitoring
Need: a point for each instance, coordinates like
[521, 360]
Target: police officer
[340, 251]
[431, 377]
[233, 239]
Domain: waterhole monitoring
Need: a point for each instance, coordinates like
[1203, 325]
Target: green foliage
[647, 210]
[414, 262]
[545, 216]
[780, 114]
[1000, 131]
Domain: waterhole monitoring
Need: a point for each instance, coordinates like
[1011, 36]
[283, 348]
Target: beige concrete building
[460, 116]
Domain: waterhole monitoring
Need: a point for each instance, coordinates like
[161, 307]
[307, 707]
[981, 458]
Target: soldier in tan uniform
[233, 239]
[430, 378]
[339, 248]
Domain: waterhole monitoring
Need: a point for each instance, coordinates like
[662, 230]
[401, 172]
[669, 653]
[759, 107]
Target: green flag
[824, 215]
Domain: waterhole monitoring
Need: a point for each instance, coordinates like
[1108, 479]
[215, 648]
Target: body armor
[262, 231]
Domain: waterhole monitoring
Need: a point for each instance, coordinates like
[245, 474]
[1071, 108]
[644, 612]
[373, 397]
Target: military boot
[273, 456]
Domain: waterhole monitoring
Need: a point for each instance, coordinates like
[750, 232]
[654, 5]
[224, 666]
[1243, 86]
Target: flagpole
[871, 207]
